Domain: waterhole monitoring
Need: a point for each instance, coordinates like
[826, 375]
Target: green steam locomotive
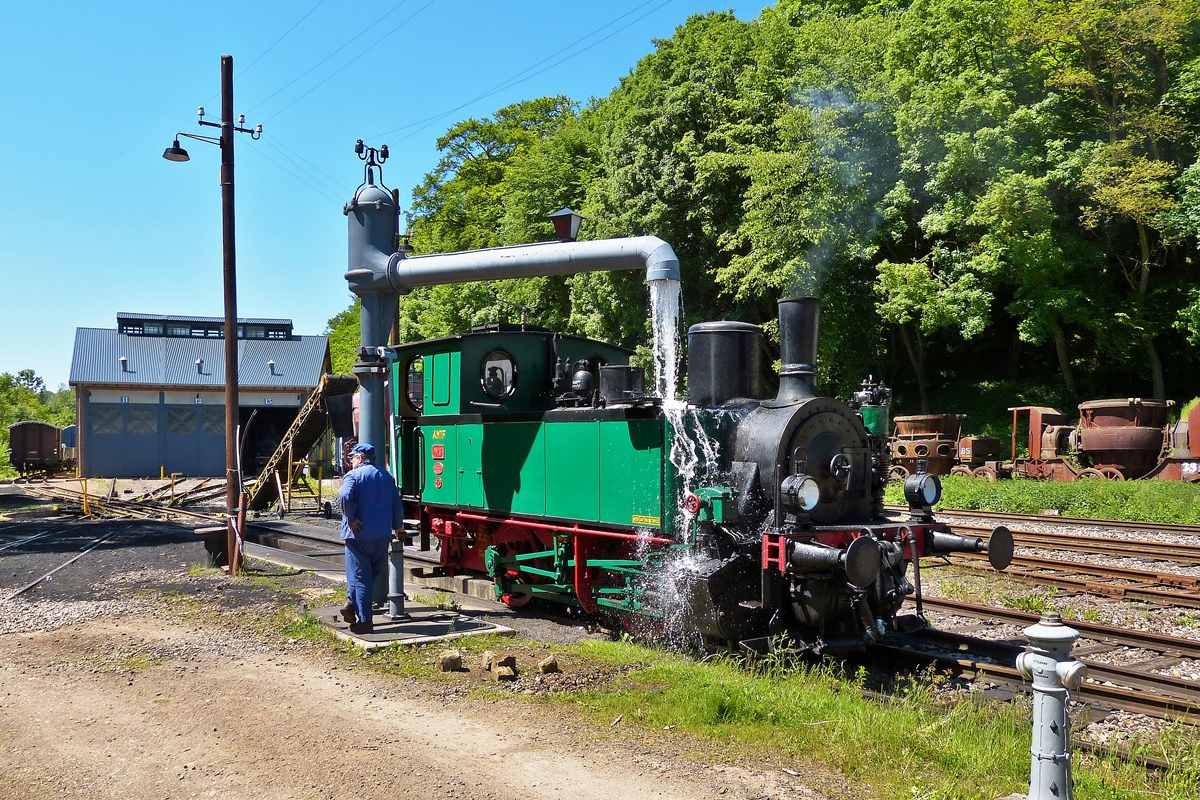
[542, 461]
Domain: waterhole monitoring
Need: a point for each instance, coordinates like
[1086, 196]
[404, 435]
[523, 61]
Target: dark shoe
[348, 613]
[362, 628]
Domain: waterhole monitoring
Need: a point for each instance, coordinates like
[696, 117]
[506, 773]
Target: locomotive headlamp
[922, 490]
[800, 491]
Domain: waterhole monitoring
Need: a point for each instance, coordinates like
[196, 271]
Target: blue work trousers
[366, 560]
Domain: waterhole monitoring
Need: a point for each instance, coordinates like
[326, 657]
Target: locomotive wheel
[515, 540]
[897, 473]
[987, 473]
[1090, 473]
[960, 470]
[1112, 473]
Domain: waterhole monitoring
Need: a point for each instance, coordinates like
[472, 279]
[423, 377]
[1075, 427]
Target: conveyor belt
[301, 437]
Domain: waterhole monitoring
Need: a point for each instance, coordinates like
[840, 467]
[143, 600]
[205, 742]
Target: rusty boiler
[1126, 433]
[929, 437]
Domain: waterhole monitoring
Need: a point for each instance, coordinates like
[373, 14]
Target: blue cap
[364, 449]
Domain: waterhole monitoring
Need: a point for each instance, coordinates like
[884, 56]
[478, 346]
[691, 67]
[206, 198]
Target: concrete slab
[425, 625]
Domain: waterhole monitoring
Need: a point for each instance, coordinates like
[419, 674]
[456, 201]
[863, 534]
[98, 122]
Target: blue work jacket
[369, 494]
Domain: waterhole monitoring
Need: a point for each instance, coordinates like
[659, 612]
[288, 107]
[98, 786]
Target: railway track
[113, 508]
[1109, 686]
[1140, 687]
[1180, 553]
[1162, 587]
[1049, 519]
[1159, 588]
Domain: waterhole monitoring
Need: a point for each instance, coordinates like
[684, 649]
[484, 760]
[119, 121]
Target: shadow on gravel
[58, 536]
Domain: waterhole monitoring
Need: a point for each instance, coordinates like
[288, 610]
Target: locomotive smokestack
[798, 324]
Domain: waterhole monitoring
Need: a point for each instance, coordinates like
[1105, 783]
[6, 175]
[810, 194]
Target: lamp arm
[209, 139]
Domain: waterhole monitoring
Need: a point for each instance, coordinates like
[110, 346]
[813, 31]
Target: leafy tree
[976, 188]
[24, 396]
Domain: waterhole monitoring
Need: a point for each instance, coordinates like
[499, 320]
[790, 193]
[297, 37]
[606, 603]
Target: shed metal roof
[183, 318]
[165, 361]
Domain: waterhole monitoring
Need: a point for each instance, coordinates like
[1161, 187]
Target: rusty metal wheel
[1112, 473]
[897, 473]
[961, 470]
[1091, 473]
[986, 473]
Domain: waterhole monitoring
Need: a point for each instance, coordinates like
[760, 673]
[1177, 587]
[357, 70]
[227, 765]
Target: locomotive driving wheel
[1090, 473]
[1112, 473]
[513, 540]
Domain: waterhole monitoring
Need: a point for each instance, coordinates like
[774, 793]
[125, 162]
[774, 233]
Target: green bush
[1170, 502]
[24, 396]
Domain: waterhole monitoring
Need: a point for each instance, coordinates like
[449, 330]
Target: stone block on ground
[548, 664]
[488, 659]
[505, 661]
[450, 661]
[504, 673]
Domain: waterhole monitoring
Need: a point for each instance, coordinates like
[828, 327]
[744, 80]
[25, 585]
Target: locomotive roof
[508, 329]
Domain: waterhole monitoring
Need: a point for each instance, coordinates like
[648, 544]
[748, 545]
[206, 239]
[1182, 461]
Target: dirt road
[118, 699]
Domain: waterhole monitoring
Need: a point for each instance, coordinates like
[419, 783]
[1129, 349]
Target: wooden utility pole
[233, 488]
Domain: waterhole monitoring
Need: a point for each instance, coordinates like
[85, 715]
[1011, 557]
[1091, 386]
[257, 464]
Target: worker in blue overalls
[371, 511]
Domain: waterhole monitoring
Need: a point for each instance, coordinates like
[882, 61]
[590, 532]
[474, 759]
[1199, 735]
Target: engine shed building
[150, 394]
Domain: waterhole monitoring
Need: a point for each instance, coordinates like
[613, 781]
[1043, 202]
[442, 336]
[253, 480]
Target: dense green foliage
[1136, 501]
[24, 396]
[998, 201]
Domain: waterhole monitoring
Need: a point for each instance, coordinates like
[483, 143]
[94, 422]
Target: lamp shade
[566, 224]
[175, 152]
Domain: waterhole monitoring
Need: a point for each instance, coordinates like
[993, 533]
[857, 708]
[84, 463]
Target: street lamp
[176, 153]
[566, 223]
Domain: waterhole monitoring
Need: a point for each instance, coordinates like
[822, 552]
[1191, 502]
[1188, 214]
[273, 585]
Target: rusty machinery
[1118, 439]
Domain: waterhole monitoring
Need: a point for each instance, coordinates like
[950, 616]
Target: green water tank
[877, 419]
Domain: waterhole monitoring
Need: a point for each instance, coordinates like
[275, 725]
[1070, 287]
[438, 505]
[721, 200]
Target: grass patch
[304, 626]
[126, 661]
[904, 748]
[1134, 501]
[140, 661]
[1038, 601]
[442, 601]
[267, 575]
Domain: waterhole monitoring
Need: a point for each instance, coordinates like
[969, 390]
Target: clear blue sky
[94, 221]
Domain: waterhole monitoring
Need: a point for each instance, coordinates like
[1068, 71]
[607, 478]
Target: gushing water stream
[692, 451]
